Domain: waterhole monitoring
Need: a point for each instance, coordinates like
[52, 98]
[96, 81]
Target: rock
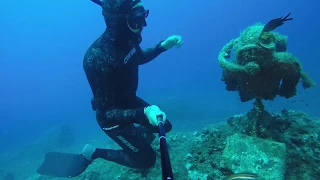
[255, 155]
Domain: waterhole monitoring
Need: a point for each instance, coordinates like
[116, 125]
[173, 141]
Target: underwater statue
[258, 66]
[262, 68]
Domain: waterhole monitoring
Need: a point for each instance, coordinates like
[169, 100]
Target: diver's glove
[274, 23]
[152, 112]
[171, 41]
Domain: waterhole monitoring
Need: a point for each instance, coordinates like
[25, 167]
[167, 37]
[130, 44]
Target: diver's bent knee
[147, 160]
[168, 127]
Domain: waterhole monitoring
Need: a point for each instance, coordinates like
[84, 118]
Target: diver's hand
[274, 23]
[171, 41]
[152, 112]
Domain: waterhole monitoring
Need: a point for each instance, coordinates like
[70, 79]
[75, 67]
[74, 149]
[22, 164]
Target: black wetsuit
[111, 68]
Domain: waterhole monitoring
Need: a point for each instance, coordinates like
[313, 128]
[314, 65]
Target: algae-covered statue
[262, 67]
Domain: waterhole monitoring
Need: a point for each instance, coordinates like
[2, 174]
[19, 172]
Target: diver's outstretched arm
[99, 2]
[149, 54]
[274, 23]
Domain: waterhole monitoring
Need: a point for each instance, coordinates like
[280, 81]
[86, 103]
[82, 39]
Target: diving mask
[137, 17]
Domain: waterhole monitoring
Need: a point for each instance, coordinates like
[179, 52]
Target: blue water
[43, 44]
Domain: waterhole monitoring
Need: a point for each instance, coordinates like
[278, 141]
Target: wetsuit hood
[116, 14]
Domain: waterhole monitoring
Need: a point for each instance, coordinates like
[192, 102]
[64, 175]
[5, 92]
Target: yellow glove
[171, 41]
[152, 112]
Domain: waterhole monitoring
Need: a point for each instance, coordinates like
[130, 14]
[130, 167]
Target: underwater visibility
[253, 145]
